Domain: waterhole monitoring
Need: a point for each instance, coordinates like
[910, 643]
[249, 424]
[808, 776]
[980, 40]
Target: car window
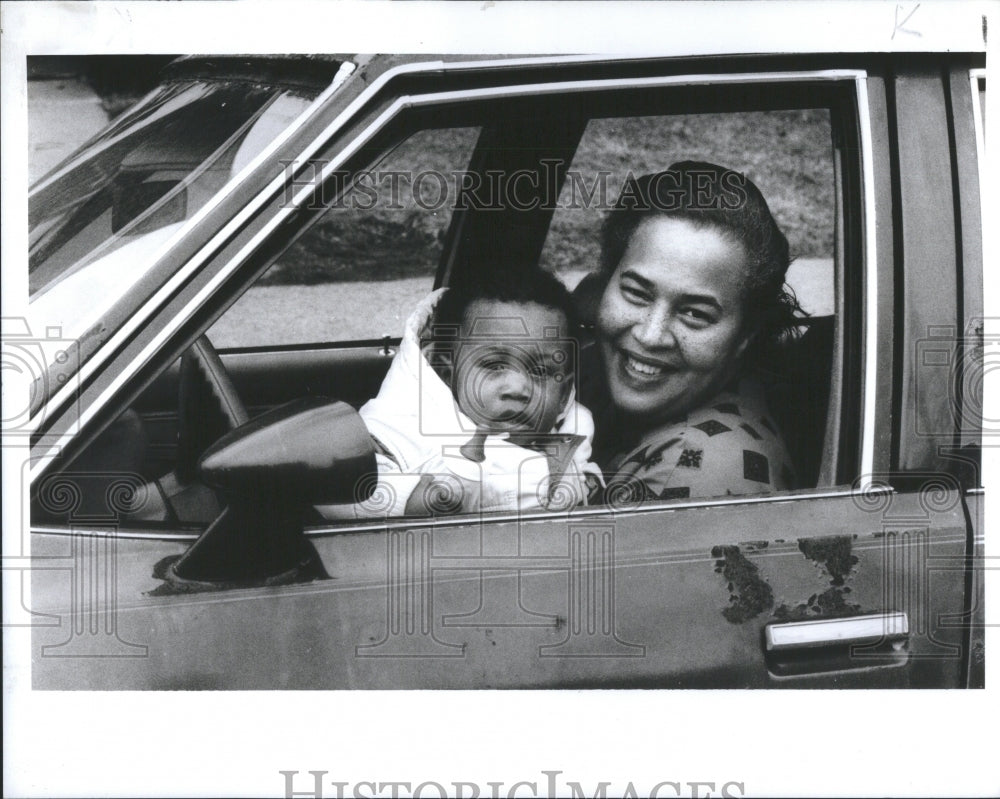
[789, 155]
[325, 316]
[786, 153]
[357, 272]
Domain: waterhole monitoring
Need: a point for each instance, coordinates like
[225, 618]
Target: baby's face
[514, 369]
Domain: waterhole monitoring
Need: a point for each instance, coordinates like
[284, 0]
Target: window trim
[469, 519]
[405, 102]
[869, 330]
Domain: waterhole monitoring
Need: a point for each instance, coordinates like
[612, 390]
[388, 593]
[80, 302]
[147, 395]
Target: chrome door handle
[794, 635]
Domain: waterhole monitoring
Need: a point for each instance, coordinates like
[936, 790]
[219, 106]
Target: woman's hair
[713, 196]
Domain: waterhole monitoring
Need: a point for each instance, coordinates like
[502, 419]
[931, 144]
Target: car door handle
[815, 646]
[791, 636]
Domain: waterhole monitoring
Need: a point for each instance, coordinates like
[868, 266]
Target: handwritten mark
[899, 25]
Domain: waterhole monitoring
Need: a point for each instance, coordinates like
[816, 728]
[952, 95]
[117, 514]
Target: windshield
[131, 186]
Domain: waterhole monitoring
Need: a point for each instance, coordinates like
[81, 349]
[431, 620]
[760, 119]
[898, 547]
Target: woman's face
[671, 320]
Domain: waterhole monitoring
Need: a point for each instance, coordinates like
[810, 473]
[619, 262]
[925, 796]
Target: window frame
[859, 236]
[192, 316]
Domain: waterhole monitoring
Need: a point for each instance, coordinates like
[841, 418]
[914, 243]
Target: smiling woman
[695, 268]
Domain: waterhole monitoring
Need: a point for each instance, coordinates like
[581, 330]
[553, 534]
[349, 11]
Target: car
[219, 280]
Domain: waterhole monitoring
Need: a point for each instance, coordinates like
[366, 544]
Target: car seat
[798, 394]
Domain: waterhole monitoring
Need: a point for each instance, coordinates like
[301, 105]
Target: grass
[395, 239]
[786, 153]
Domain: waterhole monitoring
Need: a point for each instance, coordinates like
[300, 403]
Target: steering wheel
[208, 406]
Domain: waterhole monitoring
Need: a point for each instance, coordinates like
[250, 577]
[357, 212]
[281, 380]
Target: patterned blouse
[731, 445]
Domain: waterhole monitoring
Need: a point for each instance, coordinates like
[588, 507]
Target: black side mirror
[271, 471]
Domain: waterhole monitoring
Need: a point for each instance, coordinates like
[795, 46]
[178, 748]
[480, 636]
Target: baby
[477, 411]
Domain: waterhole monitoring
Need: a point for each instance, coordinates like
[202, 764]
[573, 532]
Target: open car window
[324, 318]
[789, 154]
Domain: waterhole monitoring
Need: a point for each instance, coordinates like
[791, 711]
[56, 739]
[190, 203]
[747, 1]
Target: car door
[855, 579]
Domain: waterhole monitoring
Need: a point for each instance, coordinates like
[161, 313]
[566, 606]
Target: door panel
[351, 373]
[633, 599]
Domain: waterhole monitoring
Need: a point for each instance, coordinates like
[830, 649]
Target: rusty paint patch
[749, 593]
[829, 604]
[832, 553]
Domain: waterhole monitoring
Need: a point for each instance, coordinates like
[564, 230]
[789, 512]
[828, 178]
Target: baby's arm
[442, 494]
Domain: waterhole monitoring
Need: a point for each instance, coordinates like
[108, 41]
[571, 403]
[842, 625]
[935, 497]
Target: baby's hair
[528, 285]
[520, 286]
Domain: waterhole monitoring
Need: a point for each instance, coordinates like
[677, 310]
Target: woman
[693, 270]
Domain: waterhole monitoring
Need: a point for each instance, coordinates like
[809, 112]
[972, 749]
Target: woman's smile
[671, 319]
[645, 368]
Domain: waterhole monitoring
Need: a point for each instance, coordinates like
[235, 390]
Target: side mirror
[271, 471]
